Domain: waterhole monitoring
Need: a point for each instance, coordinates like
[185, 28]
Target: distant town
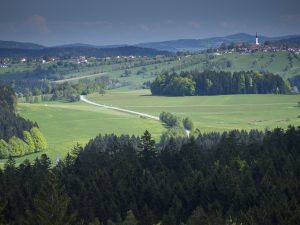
[224, 48]
[247, 48]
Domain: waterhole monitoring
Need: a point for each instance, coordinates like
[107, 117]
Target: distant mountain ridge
[19, 45]
[81, 51]
[206, 43]
[23, 49]
[82, 45]
[13, 48]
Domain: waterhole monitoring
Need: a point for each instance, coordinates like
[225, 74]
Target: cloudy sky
[102, 22]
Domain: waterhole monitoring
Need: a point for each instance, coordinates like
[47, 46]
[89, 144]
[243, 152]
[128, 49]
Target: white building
[256, 40]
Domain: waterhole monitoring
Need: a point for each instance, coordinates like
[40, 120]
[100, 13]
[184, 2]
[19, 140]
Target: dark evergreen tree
[51, 204]
[235, 177]
[148, 152]
[130, 219]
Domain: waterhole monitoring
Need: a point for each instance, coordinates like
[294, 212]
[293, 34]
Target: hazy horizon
[116, 44]
[136, 21]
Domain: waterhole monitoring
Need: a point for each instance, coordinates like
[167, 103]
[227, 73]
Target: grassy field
[65, 124]
[213, 113]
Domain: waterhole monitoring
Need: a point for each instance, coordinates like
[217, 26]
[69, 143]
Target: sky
[108, 22]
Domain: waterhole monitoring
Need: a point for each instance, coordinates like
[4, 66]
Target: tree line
[32, 141]
[295, 82]
[71, 92]
[11, 124]
[218, 83]
[235, 177]
[17, 135]
[29, 90]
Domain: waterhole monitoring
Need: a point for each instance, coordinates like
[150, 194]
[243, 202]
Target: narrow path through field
[83, 98]
[78, 78]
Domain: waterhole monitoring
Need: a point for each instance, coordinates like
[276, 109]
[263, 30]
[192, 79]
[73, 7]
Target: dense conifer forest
[236, 177]
[218, 83]
[11, 124]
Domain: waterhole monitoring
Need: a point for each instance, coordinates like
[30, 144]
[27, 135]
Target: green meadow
[66, 124]
[213, 113]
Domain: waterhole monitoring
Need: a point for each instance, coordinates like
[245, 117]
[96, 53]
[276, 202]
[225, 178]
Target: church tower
[256, 40]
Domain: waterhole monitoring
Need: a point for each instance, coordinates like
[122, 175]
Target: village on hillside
[247, 48]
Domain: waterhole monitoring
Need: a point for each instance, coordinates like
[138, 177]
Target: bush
[4, 151]
[17, 147]
[187, 124]
[74, 98]
[29, 141]
[169, 119]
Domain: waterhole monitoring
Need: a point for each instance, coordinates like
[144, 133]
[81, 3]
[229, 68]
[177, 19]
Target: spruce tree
[148, 152]
[95, 221]
[148, 143]
[198, 217]
[50, 204]
[130, 219]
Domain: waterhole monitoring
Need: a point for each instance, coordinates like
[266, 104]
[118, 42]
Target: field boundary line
[78, 78]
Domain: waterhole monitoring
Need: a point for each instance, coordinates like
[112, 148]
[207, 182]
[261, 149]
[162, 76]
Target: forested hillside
[292, 42]
[138, 72]
[218, 83]
[230, 178]
[213, 42]
[17, 135]
[19, 45]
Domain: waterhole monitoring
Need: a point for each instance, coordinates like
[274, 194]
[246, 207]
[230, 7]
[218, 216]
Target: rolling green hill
[134, 72]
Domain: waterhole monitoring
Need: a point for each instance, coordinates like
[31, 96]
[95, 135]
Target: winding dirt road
[83, 98]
